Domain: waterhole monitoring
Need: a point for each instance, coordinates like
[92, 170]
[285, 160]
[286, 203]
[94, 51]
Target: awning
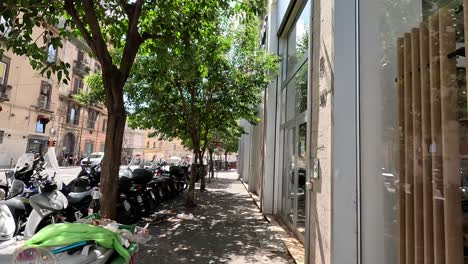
[43, 119]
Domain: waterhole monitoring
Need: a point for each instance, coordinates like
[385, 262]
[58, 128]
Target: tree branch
[126, 7]
[133, 40]
[96, 33]
[70, 8]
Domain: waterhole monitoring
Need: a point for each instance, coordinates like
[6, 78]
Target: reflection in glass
[298, 39]
[423, 125]
[288, 179]
[297, 93]
[301, 174]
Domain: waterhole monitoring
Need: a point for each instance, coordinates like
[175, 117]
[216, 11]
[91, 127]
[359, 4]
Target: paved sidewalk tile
[227, 228]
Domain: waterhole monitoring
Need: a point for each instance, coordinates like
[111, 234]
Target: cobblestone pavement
[227, 228]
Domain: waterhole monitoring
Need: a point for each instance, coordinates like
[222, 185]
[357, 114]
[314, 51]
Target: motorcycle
[80, 190]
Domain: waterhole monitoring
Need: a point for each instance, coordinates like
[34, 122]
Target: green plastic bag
[67, 233]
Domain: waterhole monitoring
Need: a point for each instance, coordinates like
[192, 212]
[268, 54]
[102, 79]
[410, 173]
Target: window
[97, 67]
[44, 96]
[294, 47]
[102, 147]
[298, 40]
[147, 144]
[92, 116]
[78, 84]
[4, 67]
[2, 133]
[89, 147]
[160, 144]
[174, 146]
[73, 114]
[41, 124]
[413, 124]
[154, 144]
[51, 54]
[80, 56]
[104, 125]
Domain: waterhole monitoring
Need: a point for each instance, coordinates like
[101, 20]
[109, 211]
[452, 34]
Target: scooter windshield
[51, 167]
[24, 162]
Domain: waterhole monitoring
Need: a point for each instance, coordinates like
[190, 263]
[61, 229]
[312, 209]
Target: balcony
[5, 92]
[80, 68]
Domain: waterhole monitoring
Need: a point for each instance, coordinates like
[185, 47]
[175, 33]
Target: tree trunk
[113, 147]
[225, 160]
[211, 163]
[202, 174]
[195, 172]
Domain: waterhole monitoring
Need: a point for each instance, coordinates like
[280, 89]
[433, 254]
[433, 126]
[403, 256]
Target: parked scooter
[49, 202]
[80, 190]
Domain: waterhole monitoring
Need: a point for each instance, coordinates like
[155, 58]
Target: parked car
[93, 159]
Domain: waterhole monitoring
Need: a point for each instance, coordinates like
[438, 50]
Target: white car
[93, 159]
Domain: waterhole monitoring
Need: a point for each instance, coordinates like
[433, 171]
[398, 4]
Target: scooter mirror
[17, 187]
[2, 194]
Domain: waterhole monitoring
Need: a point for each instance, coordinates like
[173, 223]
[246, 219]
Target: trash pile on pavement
[91, 240]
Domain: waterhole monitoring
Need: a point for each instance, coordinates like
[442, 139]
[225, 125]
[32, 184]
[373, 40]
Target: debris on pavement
[184, 216]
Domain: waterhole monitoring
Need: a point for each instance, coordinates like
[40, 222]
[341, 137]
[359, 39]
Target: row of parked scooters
[33, 196]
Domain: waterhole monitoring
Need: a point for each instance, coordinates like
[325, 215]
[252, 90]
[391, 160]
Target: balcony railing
[80, 68]
[5, 92]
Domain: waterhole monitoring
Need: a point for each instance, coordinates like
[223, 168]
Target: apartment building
[34, 108]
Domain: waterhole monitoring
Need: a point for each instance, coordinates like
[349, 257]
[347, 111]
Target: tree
[206, 78]
[214, 79]
[230, 141]
[29, 27]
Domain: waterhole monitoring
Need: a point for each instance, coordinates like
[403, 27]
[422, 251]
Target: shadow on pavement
[227, 228]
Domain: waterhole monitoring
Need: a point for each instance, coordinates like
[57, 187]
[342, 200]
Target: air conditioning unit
[43, 101]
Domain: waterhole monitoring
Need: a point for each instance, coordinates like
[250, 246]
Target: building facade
[362, 146]
[133, 143]
[81, 129]
[164, 149]
[34, 108]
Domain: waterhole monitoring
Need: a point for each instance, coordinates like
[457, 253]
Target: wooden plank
[409, 180]
[465, 27]
[436, 141]
[450, 140]
[417, 146]
[401, 121]
[426, 142]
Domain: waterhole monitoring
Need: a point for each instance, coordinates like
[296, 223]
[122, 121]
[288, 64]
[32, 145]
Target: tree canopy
[146, 27]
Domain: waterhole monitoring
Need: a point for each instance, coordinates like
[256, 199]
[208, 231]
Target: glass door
[288, 176]
[294, 177]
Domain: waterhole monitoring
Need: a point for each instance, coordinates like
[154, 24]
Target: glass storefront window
[298, 39]
[294, 88]
[414, 131]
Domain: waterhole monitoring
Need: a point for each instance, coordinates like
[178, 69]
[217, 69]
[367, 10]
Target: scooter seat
[76, 197]
[16, 207]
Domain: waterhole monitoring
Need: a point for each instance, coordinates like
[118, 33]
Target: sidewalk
[227, 228]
